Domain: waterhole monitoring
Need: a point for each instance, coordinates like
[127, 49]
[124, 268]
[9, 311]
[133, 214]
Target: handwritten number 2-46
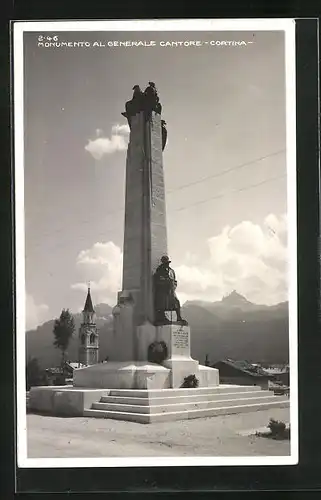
[47, 38]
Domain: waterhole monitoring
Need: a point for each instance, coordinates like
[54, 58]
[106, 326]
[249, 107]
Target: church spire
[88, 334]
[88, 304]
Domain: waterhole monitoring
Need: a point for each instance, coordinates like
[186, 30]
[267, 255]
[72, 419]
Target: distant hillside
[232, 327]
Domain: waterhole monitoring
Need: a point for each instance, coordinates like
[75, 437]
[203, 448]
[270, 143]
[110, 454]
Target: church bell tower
[88, 335]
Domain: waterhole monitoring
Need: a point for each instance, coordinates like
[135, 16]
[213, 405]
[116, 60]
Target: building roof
[246, 367]
[276, 371]
[54, 371]
[88, 304]
[68, 365]
[75, 365]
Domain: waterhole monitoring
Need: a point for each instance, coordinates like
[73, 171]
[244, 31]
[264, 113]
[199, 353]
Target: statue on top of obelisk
[152, 100]
[147, 101]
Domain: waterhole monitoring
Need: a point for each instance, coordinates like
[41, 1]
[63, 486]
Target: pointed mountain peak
[235, 298]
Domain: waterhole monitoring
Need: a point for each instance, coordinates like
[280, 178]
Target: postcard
[156, 252]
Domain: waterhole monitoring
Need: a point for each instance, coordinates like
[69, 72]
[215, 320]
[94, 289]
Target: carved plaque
[180, 338]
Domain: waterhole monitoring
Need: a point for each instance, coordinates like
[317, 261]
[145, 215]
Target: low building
[60, 375]
[55, 376]
[282, 375]
[278, 388]
[72, 365]
[242, 373]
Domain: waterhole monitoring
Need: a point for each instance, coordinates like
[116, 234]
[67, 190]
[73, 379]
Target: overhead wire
[199, 181]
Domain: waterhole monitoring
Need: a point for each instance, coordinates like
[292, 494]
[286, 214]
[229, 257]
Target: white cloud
[36, 314]
[249, 258]
[120, 129]
[101, 146]
[101, 265]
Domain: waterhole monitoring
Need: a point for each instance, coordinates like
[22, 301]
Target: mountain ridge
[233, 327]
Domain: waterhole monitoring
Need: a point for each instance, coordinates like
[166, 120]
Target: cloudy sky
[225, 111]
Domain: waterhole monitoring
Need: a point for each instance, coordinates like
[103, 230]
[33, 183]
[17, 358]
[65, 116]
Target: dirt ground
[53, 437]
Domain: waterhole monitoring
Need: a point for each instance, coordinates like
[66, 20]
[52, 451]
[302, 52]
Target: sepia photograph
[155, 225]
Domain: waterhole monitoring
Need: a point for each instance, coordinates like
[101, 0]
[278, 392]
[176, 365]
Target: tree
[34, 374]
[63, 330]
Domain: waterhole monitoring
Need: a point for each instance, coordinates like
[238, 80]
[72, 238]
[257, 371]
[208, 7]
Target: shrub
[277, 430]
[157, 352]
[276, 427]
[190, 382]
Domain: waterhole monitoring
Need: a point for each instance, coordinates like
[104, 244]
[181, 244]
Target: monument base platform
[123, 375]
[143, 375]
[150, 405]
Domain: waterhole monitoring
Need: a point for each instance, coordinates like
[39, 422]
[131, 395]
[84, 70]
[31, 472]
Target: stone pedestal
[179, 361]
[177, 338]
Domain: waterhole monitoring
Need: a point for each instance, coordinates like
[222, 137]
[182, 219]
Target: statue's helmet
[151, 84]
[136, 87]
[165, 259]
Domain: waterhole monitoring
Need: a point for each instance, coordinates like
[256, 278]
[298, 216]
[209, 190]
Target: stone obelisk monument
[136, 326]
[147, 315]
[145, 234]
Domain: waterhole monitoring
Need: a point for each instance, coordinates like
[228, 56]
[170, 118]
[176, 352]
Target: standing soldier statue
[165, 298]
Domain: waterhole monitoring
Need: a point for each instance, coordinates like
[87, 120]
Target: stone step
[182, 398]
[182, 406]
[158, 393]
[145, 418]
